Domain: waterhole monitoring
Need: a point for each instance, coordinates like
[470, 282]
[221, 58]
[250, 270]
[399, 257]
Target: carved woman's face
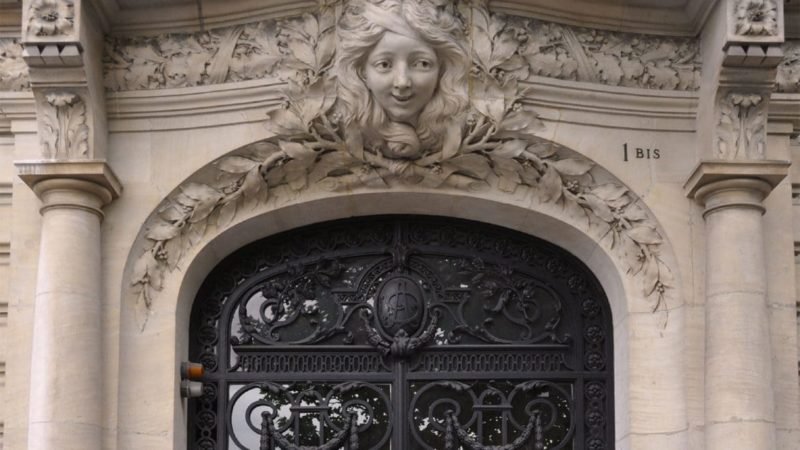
[402, 73]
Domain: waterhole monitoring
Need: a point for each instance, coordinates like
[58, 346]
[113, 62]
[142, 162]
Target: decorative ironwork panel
[402, 332]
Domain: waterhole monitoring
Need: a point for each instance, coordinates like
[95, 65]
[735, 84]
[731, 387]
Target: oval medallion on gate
[400, 305]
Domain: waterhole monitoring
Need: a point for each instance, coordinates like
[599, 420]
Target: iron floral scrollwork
[516, 300]
[401, 345]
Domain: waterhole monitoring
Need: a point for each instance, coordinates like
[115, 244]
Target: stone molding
[71, 193]
[250, 51]
[95, 173]
[734, 193]
[717, 173]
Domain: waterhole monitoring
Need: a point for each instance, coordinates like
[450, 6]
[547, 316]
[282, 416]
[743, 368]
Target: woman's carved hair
[361, 27]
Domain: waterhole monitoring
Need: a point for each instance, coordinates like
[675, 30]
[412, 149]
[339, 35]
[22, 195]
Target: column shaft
[739, 409]
[66, 407]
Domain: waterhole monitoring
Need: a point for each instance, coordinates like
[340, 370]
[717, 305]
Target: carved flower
[757, 17]
[51, 17]
[61, 99]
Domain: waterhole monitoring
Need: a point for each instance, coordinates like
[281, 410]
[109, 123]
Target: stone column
[739, 401]
[66, 394]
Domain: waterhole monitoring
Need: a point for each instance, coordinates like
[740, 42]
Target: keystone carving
[756, 18]
[352, 118]
[63, 128]
[538, 48]
[51, 18]
[13, 70]
[741, 128]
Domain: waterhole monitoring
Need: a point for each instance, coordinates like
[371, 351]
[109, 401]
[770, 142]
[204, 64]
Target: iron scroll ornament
[311, 299]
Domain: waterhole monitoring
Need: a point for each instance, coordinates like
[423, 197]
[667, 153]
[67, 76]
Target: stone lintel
[706, 172]
[98, 172]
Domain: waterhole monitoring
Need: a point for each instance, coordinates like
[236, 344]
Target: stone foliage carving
[788, 77]
[343, 127]
[13, 70]
[51, 17]
[617, 59]
[63, 128]
[181, 60]
[741, 128]
[756, 18]
[545, 49]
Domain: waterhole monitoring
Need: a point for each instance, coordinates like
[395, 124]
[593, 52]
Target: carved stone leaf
[609, 191]
[510, 149]
[226, 213]
[551, 185]
[237, 164]
[162, 231]
[598, 207]
[572, 166]
[608, 68]
[284, 121]
[645, 234]
[472, 164]
[634, 213]
[488, 98]
[663, 77]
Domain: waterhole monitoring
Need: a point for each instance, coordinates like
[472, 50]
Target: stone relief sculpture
[404, 99]
[741, 127]
[546, 49]
[787, 78]
[756, 18]
[182, 60]
[13, 70]
[64, 132]
[51, 17]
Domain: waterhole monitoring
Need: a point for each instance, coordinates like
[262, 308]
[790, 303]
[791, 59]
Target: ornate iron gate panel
[402, 332]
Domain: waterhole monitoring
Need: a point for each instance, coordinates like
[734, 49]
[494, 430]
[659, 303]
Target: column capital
[87, 185]
[707, 172]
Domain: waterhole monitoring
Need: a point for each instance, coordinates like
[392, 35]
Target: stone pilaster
[62, 43]
[739, 394]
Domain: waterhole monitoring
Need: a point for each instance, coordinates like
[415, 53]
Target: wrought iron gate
[402, 332]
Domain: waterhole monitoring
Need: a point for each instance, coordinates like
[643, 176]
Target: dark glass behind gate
[404, 333]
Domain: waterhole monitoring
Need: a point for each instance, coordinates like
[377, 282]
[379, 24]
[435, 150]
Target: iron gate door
[402, 332]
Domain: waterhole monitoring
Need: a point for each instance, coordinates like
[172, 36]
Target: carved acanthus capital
[741, 129]
[63, 128]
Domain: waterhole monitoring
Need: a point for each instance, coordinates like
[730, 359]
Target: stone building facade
[143, 142]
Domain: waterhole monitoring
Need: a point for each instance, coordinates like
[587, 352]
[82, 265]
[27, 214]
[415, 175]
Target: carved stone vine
[756, 18]
[546, 49]
[492, 143]
[180, 60]
[741, 127]
[51, 18]
[13, 70]
[787, 78]
[63, 128]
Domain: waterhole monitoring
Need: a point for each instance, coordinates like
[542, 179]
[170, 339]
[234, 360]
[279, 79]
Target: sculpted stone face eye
[402, 74]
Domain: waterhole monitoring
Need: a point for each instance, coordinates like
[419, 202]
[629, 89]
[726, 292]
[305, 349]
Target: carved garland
[788, 77]
[498, 148]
